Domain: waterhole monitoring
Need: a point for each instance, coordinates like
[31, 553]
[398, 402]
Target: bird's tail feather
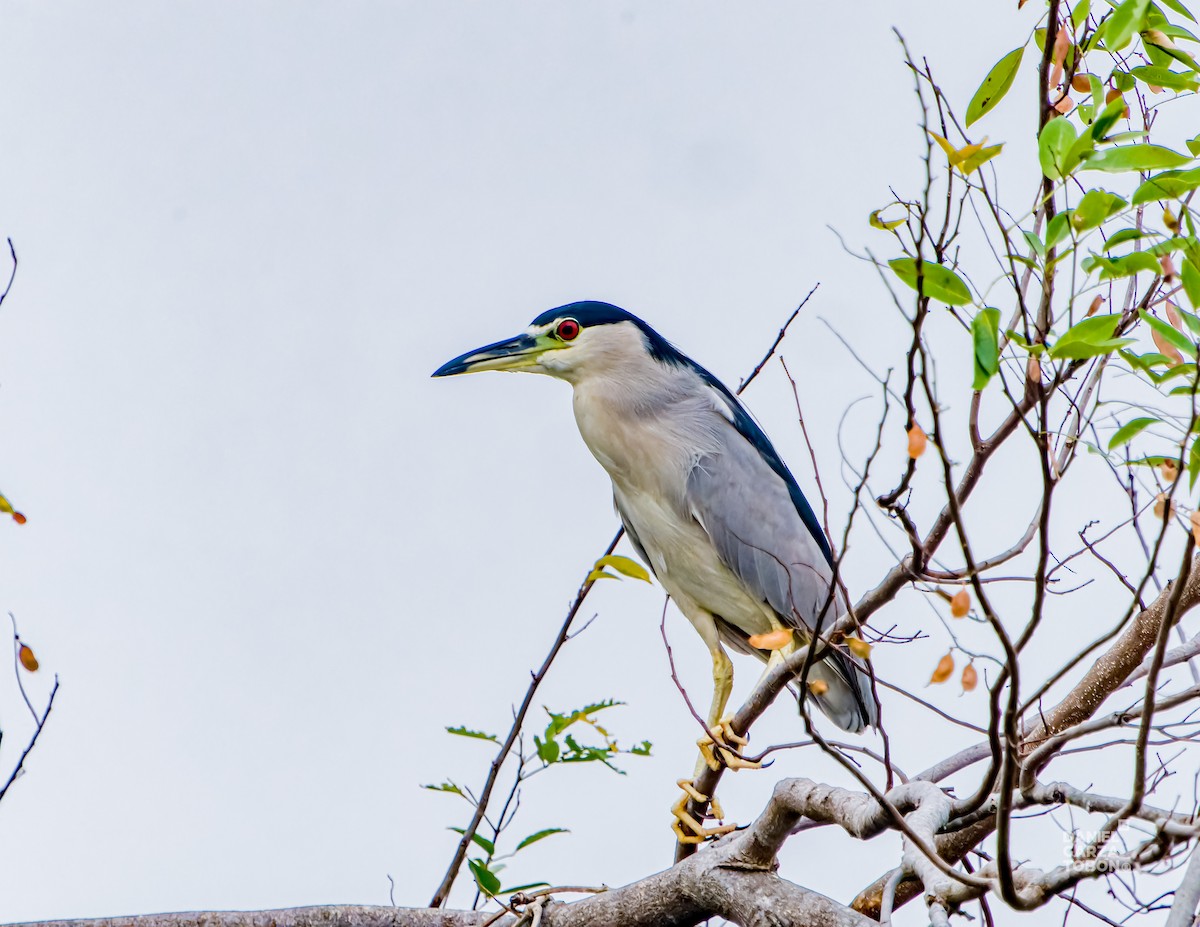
[847, 700]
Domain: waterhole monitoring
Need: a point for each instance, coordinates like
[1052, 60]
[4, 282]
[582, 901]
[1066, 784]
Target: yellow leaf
[625, 566]
[859, 647]
[771, 640]
[944, 668]
[28, 660]
[598, 574]
[5, 506]
[878, 222]
[951, 151]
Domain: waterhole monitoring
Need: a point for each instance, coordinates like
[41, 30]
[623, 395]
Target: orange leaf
[1167, 349]
[960, 604]
[970, 678]
[1162, 505]
[1195, 519]
[1168, 269]
[18, 518]
[916, 441]
[1169, 470]
[1095, 306]
[944, 668]
[1033, 369]
[28, 660]
[771, 640]
[1081, 83]
[818, 687]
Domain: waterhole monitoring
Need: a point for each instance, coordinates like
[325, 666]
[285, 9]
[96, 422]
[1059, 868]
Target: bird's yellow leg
[686, 827]
[721, 749]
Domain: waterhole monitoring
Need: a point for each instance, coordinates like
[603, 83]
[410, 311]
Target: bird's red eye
[568, 330]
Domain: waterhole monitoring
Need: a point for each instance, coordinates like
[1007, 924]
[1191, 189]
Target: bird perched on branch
[705, 499]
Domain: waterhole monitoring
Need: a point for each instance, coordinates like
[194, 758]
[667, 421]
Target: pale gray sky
[270, 558]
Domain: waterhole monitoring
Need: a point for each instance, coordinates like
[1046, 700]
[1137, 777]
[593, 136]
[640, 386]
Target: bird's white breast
[648, 452]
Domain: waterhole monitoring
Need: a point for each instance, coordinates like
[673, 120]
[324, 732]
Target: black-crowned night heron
[704, 497]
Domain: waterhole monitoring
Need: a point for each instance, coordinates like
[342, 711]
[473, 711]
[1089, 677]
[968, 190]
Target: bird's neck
[635, 426]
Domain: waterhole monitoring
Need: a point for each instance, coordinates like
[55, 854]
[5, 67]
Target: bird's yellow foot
[721, 749]
[686, 827]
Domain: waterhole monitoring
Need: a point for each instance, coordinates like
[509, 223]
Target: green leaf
[1056, 139]
[1089, 338]
[1169, 334]
[487, 880]
[1164, 77]
[1190, 276]
[1108, 117]
[1079, 350]
[1057, 228]
[467, 732]
[985, 335]
[540, 835]
[642, 749]
[1190, 319]
[1130, 430]
[1079, 15]
[488, 847]
[1193, 145]
[1035, 243]
[1130, 17]
[624, 566]
[937, 282]
[1179, 8]
[1083, 147]
[446, 786]
[1168, 185]
[1124, 266]
[995, 85]
[1133, 158]
[1094, 208]
[1124, 235]
[513, 889]
[547, 750]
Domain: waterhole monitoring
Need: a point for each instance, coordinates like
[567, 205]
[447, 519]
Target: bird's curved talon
[721, 751]
[692, 792]
[686, 827]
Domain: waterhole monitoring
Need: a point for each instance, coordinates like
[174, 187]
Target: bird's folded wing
[748, 511]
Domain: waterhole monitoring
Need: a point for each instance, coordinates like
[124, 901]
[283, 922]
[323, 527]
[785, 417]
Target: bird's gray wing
[746, 508]
[748, 511]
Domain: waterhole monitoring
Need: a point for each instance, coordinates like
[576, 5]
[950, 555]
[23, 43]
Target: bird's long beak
[514, 354]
